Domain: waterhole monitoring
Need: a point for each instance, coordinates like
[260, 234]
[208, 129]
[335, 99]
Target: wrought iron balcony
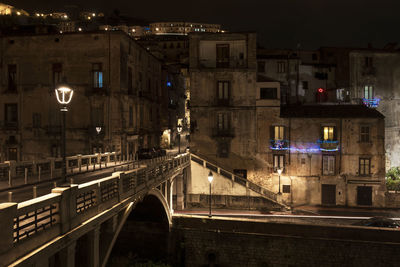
[225, 132]
[328, 145]
[279, 144]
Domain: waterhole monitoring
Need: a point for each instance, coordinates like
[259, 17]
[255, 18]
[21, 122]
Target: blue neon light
[282, 145]
[169, 84]
[372, 102]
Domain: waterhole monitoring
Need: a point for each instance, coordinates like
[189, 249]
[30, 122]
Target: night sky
[279, 23]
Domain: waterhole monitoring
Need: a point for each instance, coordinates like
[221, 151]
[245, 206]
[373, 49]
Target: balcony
[368, 71]
[328, 145]
[228, 132]
[371, 103]
[223, 102]
[279, 144]
[9, 125]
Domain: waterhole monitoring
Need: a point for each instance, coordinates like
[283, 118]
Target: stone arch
[160, 197]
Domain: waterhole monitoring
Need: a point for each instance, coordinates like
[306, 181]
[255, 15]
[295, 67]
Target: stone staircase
[263, 192]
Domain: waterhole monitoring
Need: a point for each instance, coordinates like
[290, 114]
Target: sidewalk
[346, 211]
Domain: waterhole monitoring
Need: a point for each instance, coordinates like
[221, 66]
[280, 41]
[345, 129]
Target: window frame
[331, 136]
[12, 77]
[223, 95]
[97, 75]
[222, 55]
[278, 161]
[365, 137]
[281, 67]
[368, 92]
[329, 159]
[363, 166]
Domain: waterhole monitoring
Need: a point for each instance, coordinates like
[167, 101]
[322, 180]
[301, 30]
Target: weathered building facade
[375, 81]
[117, 88]
[328, 154]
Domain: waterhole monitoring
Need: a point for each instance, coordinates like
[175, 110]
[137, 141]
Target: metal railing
[235, 178]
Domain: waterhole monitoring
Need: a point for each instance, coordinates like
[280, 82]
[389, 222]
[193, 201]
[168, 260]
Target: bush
[393, 179]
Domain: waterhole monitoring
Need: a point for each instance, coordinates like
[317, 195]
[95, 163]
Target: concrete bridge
[52, 230]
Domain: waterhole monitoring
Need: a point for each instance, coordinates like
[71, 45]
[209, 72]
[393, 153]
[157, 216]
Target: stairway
[263, 192]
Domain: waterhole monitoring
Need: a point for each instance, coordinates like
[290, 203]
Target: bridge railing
[29, 224]
[50, 168]
[235, 178]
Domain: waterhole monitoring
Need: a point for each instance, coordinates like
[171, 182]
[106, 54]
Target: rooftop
[329, 111]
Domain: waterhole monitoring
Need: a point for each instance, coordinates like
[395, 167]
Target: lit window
[328, 133]
[279, 132]
[97, 75]
[368, 92]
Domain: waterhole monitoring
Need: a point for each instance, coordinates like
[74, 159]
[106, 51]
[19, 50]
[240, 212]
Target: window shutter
[335, 133]
[321, 134]
[271, 132]
[285, 133]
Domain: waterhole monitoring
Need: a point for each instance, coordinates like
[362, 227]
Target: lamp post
[279, 173]
[64, 96]
[179, 129]
[210, 179]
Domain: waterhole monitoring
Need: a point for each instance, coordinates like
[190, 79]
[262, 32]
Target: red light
[320, 90]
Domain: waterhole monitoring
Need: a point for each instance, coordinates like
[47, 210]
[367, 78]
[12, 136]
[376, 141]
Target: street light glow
[64, 95]
[210, 177]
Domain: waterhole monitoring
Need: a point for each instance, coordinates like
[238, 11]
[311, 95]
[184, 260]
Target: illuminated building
[117, 84]
[183, 28]
[330, 154]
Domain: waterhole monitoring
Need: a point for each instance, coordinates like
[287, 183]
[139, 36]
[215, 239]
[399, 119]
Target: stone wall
[234, 243]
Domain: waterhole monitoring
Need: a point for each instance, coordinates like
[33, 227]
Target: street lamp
[210, 179]
[64, 96]
[279, 173]
[179, 129]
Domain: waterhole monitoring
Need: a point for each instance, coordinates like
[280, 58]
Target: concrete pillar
[67, 255]
[7, 213]
[179, 192]
[80, 162]
[13, 169]
[93, 247]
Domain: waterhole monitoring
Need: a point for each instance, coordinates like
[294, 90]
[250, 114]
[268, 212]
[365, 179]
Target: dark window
[314, 56]
[364, 134]
[12, 153]
[279, 162]
[328, 165]
[98, 116]
[261, 66]
[240, 172]
[286, 188]
[36, 120]
[97, 72]
[281, 67]
[223, 149]
[12, 77]
[223, 122]
[268, 93]
[368, 62]
[11, 114]
[223, 92]
[305, 84]
[130, 86]
[130, 116]
[222, 55]
[57, 73]
[364, 167]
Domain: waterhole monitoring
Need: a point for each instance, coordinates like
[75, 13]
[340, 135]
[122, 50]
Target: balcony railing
[279, 144]
[328, 145]
[228, 132]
